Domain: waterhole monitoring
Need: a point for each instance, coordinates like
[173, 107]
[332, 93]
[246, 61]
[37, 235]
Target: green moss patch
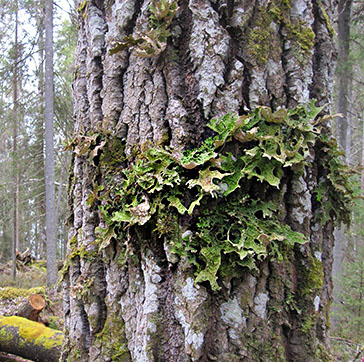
[33, 332]
[12, 293]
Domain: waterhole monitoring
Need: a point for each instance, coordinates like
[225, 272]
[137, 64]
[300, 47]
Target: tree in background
[343, 121]
[30, 156]
[187, 234]
[51, 222]
[347, 329]
[15, 117]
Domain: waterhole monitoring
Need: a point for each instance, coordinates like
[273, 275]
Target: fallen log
[6, 357]
[31, 340]
[25, 257]
[32, 308]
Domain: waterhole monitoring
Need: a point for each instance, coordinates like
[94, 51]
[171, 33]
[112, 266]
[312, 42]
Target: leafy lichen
[237, 221]
[154, 41]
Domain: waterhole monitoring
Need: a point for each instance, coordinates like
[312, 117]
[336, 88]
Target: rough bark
[31, 340]
[222, 57]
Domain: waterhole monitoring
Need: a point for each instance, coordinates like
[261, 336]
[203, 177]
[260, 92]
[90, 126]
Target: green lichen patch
[82, 6]
[230, 185]
[337, 179]
[154, 41]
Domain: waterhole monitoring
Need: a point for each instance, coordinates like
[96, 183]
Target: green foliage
[154, 41]
[236, 223]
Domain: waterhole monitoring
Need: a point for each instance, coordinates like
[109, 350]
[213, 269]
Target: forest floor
[30, 279]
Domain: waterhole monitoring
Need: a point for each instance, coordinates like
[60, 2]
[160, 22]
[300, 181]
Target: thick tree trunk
[31, 340]
[128, 298]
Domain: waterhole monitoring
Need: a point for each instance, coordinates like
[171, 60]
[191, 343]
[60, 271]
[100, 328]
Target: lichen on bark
[128, 105]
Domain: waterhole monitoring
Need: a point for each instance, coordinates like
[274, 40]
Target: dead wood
[32, 308]
[31, 340]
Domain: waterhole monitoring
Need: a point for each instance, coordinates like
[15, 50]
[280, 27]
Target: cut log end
[32, 308]
[37, 302]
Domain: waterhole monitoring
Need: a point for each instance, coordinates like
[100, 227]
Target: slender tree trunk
[15, 243]
[39, 134]
[127, 297]
[51, 228]
[344, 78]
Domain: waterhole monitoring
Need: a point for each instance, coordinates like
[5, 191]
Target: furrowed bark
[221, 57]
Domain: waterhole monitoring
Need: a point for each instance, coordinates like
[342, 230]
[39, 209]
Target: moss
[12, 293]
[54, 323]
[82, 6]
[309, 324]
[303, 37]
[311, 278]
[112, 339]
[259, 38]
[265, 349]
[33, 332]
[322, 354]
[74, 355]
[327, 21]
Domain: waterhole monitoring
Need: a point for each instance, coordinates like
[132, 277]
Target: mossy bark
[31, 340]
[128, 297]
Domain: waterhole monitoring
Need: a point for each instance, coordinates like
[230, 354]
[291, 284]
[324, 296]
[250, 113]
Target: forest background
[22, 147]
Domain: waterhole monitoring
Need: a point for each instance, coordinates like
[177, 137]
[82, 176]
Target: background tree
[343, 122]
[30, 161]
[346, 329]
[51, 222]
[143, 225]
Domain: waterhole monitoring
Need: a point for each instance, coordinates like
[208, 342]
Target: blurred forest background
[22, 147]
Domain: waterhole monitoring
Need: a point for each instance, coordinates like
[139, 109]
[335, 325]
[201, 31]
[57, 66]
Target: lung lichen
[154, 41]
[230, 185]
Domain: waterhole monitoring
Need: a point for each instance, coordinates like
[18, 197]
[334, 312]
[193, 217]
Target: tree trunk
[127, 295]
[40, 198]
[343, 123]
[31, 340]
[344, 76]
[51, 227]
[15, 242]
